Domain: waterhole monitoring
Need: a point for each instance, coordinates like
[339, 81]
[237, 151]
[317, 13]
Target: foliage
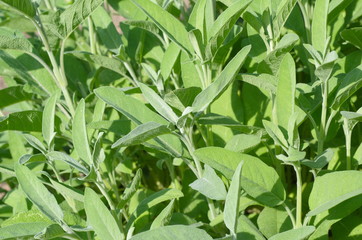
[202, 119]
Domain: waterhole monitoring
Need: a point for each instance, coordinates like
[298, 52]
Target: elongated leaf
[137, 112]
[335, 7]
[100, 218]
[102, 61]
[27, 121]
[75, 15]
[21, 230]
[282, 16]
[352, 115]
[79, 134]
[12, 95]
[323, 198]
[164, 217]
[350, 84]
[131, 189]
[146, 25]
[319, 25]
[353, 35]
[262, 81]
[67, 159]
[38, 194]
[210, 185]
[223, 25]
[48, 119]
[275, 133]
[169, 59]
[34, 142]
[212, 92]
[271, 64]
[197, 17]
[158, 103]
[285, 96]
[141, 134]
[24, 6]
[175, 232]
[154, 199]
[106, 30]
[272, 221]
[321, 160]
[231, 209]
[243, 142]
[297, 234]
[167, 23]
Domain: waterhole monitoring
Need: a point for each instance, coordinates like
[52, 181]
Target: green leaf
[275, 133]
[350, 84]
[210, 185]
[174, 232]
[197, 18]
[332, 189]
[48, 119]
[272, 221]
[295, 234]
[75, 15]
[106, 30]
[79, 134]
[27, 121]
[169, 59]
[281, 16]
[352, 115]
[38, 194]
[100, 218]
[137, 112]
[164, 217]
[319, 25]
[262, 81]
[285, 95]
[172, 27]
[146, 25]
[25, 6]
[213, 91]
[52, 156]
[31, 216]
[353, 36]
[336, 7]
[271, 64]
[158, 103]
[12, 95]
[231, 209]
[21, 230]
[223, 25]
[154, 199]
[10, 39]
[243, 142]
[131, 189]
[141, 134]
[320, 161]
[34, 142]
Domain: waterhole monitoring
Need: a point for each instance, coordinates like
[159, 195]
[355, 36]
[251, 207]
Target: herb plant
[204, 119]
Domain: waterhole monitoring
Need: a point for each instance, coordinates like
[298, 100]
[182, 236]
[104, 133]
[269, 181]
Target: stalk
[322, 128]
[348, 138]
[298, 222]
[91, 36]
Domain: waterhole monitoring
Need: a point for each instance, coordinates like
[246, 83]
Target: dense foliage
[228, 119]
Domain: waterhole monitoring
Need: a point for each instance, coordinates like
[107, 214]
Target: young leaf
[154, 199]
[210, 185]
[172, 27]
[174, 232]
[281, 16]
[48, 119]
[25, 6]
[213, 91]
[223, 25]
[141, 134]
[75, 15]
[262, 81]
[353, 36]
[231, 209]
[285, 91]
[34, 142]
[79, 134]
[38, 194]
[169, 59]
[131, 189]
[295, 234]
[158, 103]
[164, 217]
[275, 133]
[137, 112]
[52, 156]
[197, 18]
[319, 25]
[350, 84]
[100, 218]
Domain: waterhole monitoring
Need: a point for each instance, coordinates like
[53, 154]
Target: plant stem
[290, 214]
[322, 128]
[348, 138]
[105, 194]
[92, 39]
[297, 169]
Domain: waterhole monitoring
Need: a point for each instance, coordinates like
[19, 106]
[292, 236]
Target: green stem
[132, 73]
[290, 214]
[297, 169]
[92, 35]
[348, 139]
[322, 128]
[105, 194]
